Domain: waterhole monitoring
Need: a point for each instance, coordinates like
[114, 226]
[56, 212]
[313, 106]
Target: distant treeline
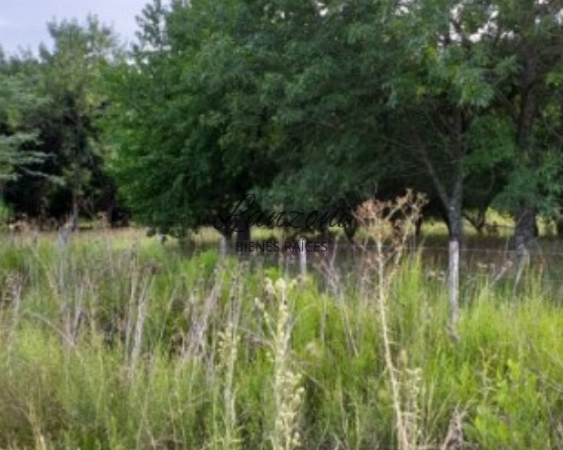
[307, 105]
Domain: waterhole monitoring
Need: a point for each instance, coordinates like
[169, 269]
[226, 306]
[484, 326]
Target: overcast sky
[23, 22]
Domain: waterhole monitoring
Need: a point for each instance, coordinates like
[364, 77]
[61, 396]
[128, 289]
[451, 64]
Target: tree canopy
[307, 105]
[314, 104]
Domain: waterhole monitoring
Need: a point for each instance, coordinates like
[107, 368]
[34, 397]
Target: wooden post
[64, 235]
[223, 245]
[303, 258]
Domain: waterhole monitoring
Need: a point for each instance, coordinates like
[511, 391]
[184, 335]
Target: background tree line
[308, 105]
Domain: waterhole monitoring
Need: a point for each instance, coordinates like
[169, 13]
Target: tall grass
[137, 347]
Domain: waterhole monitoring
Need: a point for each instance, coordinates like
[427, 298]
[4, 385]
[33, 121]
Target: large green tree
[186, 117]
[229, 97]
[442, 100]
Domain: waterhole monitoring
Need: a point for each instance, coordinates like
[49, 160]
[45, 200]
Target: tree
[242, 97]
[186, 116]
[66, 78]
[529, 34]
[72, 73]
[442, 97]
[18, 101]
[327, 103]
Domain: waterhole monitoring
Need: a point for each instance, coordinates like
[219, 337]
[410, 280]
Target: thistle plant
[388, 225]
[287, 392]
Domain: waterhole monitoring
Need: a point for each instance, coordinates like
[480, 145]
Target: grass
[116, 342]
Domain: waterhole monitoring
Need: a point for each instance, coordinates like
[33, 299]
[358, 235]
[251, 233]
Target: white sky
[23, 22]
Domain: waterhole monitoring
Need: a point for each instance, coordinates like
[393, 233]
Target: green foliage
[312, 106]
[5, 213]
[180, 157]
[15, 133]
[307, 105]
[54, 158]
[240, 100]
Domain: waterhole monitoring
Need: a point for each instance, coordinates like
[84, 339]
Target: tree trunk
[350, 230]
[453, 202]
[525, 217]
[223, 246]
[418, 228]
[243, 232]
[525, 232]
[559, 227]
[75, 212]
[225, 243]
[478, 221]
[455, 220]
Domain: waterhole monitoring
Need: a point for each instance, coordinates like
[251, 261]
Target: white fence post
[303, 258]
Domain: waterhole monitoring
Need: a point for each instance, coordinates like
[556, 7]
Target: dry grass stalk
[388, 225]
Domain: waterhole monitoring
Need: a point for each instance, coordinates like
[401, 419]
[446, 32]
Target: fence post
[303, 258]
[223, 246]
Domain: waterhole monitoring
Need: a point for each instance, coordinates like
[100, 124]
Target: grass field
[118, 342]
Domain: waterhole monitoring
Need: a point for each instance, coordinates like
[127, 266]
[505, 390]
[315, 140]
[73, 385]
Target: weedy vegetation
[107, 344]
